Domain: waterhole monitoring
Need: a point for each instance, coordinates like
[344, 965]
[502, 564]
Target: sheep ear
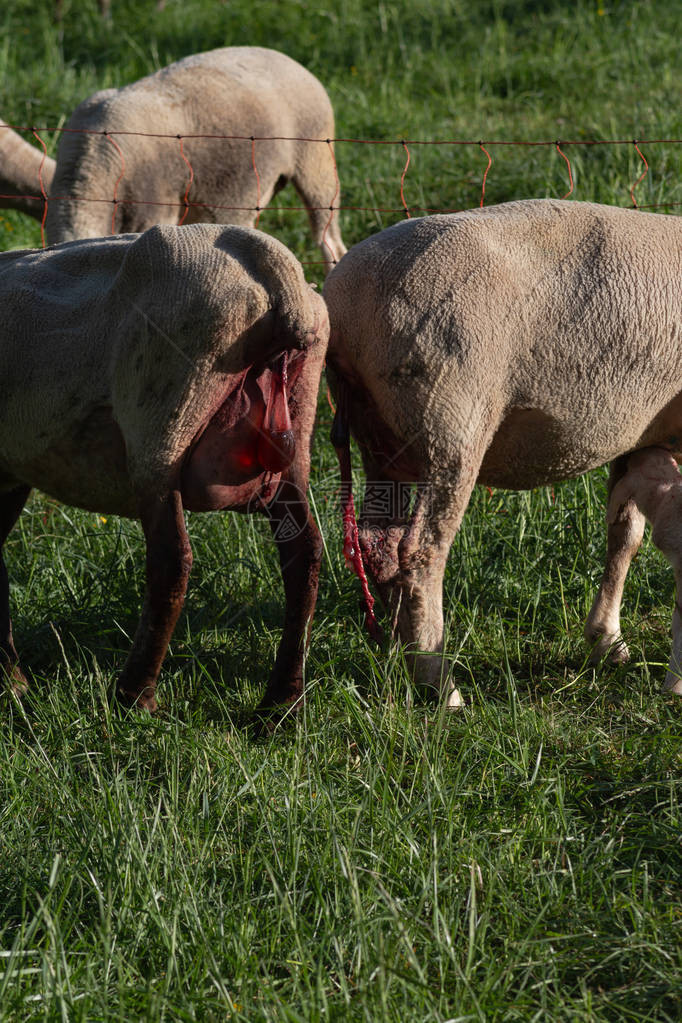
[313, 285]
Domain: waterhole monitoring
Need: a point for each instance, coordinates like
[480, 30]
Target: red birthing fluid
[351, 544]
[276, 442]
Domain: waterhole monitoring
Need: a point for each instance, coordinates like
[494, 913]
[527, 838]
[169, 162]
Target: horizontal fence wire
[184, 204]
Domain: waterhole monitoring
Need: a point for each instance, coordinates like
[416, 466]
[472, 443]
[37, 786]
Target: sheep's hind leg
[625, 529]
[381, 525]
[316, 182]
[11, 505]
[168, 562]
[299, 545]
[422, 555]
[654, 485]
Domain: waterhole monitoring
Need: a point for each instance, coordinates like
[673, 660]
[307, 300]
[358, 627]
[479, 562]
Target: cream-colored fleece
[20, 172]
[236, 91]
[513, 345]
[115, 351]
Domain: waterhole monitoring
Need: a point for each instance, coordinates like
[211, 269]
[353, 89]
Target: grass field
[520, 860]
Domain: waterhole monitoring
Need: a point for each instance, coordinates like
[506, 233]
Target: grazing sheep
[20, 172]
[512, 346]
[148, 374]
[237, 91]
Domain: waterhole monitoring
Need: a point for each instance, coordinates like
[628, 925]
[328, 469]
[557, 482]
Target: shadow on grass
[72, 642]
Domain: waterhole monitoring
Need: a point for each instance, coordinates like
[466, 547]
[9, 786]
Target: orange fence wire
[185, 204]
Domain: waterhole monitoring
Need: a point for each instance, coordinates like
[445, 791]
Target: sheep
[513, 346]
[236, 91]
[148, 374]
[20, 173]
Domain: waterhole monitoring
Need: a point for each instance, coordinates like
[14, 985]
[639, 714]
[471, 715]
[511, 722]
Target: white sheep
[513, 346]
[21, 168]
[236, 91]
[148, 374]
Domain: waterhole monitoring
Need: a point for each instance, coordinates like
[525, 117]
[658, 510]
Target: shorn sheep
[21, 168]
[148, 374]
[106, 151]
[513, 346]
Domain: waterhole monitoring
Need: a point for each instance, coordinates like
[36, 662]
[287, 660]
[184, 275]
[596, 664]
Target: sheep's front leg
[299, 545]
[169, 560]
[625, 529]
[11, 505]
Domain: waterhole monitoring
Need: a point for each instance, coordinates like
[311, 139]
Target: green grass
[380, 861]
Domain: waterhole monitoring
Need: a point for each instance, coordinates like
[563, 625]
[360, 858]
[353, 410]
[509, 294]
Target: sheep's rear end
[511, 346]
[170, 370]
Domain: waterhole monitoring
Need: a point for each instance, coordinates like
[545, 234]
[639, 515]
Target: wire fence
[186, 205]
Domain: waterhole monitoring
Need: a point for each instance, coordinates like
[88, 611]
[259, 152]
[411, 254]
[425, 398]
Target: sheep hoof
[619, 653]
[673, 682]
[142, 700]
[18, 683]
[267, 718]
[606, 645]
[446, 695]
[454, 700]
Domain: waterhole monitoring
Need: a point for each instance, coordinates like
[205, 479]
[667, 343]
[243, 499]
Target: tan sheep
[148, 374]
[237, 91]
[20, 173]
[512, 346]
